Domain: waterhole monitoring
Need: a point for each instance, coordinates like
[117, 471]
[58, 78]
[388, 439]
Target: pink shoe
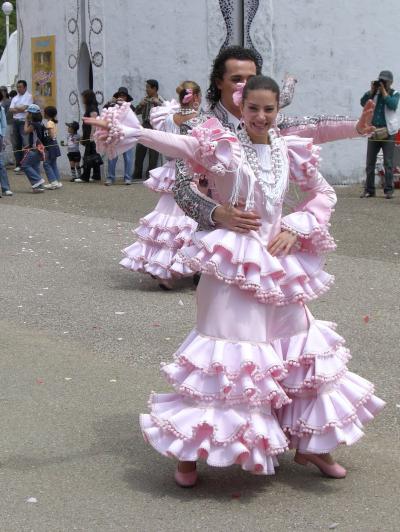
[186, 480]
[334, 470]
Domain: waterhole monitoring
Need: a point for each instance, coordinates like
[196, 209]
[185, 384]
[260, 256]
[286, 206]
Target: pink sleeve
[320, 129]
[209, 148]
[310, 219]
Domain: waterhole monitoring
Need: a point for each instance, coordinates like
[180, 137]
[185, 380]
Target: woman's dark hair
[4, 92]
[36, 117]
[263, 83]
[182, 87]
[51, 112]
[89, 98]
[218, 69]
[13, 93]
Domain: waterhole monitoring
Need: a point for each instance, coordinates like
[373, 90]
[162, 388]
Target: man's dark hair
[261, 82]
[218, 69]
[24, 83]
[153, 83]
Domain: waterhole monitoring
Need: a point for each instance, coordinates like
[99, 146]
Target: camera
[377, 83]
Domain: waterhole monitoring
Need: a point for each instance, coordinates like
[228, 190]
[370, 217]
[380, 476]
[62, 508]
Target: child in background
[74, 155]
[52, 149]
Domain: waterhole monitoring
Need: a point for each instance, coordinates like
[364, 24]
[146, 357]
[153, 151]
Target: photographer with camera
[385, 120]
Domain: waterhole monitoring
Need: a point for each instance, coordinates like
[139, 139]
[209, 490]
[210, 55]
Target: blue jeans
[31, 167]
[20, 140]
[51, 169]
[5, 185]
[128, 166]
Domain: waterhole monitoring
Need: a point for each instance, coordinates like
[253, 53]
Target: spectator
[5, 102]
[5, 185]
[73, 152]
[152, 99]
[122, 95]
[52, 149]
[35, 132]
[18, 107]
[384, 119]
[91, 159]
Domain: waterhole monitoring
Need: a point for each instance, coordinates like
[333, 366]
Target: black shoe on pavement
[368, 195]
[389, 195]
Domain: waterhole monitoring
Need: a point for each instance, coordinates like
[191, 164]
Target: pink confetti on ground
[39, 381]
[366, 319]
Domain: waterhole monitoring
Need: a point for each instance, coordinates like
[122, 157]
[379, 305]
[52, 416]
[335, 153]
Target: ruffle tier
[181, 428]
[162, 179]
[153, 259]
[244, 261]
[230, 394]
[160, 236]
[318, 423]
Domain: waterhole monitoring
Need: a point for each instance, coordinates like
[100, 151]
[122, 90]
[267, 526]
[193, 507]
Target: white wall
[333, 47]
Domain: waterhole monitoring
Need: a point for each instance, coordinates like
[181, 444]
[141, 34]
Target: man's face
[21, 89]
[236, 71]
[150, 91]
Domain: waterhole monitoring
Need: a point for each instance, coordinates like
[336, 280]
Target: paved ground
[81, 341]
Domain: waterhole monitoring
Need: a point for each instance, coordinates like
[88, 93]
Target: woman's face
[259, 112]
[197, 100]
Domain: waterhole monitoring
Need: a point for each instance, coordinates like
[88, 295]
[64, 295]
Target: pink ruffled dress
[166, 229]
[258, 374]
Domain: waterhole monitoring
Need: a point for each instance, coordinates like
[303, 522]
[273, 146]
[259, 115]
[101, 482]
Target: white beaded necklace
[273, 182]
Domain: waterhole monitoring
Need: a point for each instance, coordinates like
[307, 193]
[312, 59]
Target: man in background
[18, 107]
[385, 120]
[152, 99]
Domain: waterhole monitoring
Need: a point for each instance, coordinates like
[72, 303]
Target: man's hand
[364, 126]
[101, 124]
[236, 219]
[282, 243]
[382, 89]
[373, 90]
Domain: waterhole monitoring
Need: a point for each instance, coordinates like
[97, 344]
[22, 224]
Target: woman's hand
[236, 219]
[282, 243]
[364, 126]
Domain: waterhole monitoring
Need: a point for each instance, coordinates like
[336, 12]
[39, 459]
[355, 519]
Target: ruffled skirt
[254, 379]
[160, 235]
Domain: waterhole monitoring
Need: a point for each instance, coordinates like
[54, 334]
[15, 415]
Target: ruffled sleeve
[159, 114]
[208, 149]
[123, 133]
[310, 219]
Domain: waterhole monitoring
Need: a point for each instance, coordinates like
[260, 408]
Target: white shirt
[231, 118]
[21, 99]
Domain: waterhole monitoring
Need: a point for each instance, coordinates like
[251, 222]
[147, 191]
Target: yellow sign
[44, 70]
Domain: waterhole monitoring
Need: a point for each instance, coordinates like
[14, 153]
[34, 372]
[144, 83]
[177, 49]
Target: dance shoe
[334, 470]
[186, 480]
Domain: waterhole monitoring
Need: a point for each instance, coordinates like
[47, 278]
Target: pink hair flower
[237, 96]
[188, 96]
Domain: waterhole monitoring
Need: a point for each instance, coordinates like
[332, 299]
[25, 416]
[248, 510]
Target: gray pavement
[81, 342]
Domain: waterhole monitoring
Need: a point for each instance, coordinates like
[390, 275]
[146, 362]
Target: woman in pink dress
[258, 374]
[166, 229]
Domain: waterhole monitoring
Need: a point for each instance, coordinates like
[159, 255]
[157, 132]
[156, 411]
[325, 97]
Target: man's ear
[219, 83]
